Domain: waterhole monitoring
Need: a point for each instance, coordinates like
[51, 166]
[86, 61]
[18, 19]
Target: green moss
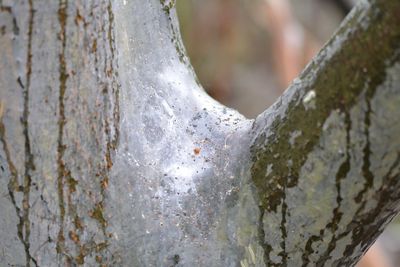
[337, 86]
[72, 183]
[97, 214]
[167, 5]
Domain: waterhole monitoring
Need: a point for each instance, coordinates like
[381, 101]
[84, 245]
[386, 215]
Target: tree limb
[326, 155]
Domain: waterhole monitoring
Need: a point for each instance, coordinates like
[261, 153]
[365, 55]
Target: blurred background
[246, 53]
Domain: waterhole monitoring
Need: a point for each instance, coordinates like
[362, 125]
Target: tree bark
[113, 155]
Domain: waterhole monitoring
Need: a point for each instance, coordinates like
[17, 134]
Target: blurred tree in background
[236, 45]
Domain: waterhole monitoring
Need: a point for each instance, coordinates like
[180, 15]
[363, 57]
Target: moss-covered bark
[357, 66]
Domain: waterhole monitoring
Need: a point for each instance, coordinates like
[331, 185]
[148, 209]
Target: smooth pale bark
[112, 154]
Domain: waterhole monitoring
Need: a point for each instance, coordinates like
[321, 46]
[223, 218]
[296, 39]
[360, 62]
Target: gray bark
[113, 155]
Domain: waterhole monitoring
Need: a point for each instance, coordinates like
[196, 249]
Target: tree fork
[111, 153]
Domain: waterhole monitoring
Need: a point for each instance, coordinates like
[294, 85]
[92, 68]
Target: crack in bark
[308, 250]
[283, 253]
[13, 186]
[13, 183]
[78, 226]
[115, 85]
[337, 215]
[63, 76]
[106, 104]
[261, 238]
[369, 177]
[107, 129]
[386, 195]
[267, 247]
[357, 226]
[29, 158]
[342, 173]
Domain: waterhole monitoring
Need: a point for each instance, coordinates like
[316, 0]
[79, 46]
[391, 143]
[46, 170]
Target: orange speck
[74, 237]
[196, 151]
[104, 183]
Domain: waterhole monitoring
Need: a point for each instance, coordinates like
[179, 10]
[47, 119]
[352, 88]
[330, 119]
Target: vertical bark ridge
[369, 177]
[29, 161]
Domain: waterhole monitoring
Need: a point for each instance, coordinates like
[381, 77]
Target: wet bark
[111, 153]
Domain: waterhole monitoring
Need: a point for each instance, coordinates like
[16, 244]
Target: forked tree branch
[112, 154]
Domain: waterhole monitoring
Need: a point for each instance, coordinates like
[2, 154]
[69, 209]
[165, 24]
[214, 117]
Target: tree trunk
[111, 153]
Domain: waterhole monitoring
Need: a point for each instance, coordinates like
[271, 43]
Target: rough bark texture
[112, 154]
